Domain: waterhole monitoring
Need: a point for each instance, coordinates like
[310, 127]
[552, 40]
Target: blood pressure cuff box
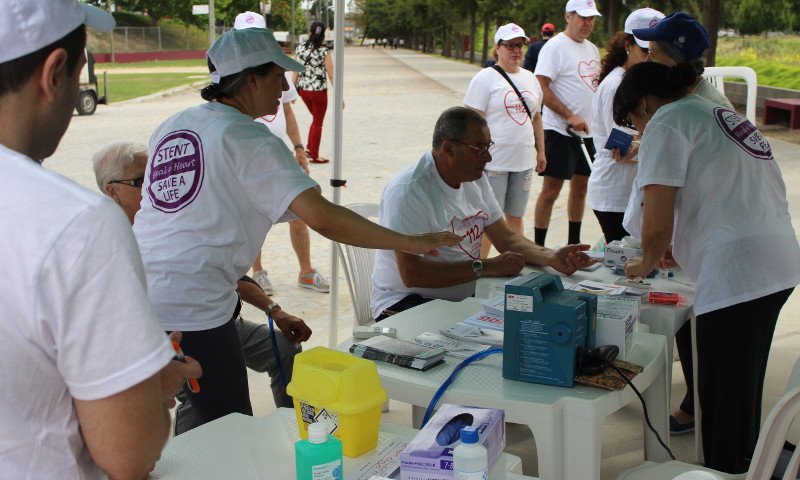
[617, 253]
[429, 456]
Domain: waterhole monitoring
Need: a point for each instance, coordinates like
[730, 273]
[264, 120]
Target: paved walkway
[393, 98]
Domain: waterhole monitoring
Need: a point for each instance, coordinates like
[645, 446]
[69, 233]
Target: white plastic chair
[357, 265]
[765, 457]
[716, 75]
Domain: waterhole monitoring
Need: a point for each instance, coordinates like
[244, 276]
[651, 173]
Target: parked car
[88, 98]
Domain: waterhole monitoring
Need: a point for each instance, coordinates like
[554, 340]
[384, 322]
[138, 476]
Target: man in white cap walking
[567, 67]
[84, 365]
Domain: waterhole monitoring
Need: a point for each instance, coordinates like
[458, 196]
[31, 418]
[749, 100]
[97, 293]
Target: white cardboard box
[617, 320]
[615, 253]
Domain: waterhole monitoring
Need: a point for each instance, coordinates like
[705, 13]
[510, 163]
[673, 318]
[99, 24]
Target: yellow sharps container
[342, 391]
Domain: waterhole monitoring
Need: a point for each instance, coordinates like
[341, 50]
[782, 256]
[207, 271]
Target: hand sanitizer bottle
[470, 460]
[319, 457]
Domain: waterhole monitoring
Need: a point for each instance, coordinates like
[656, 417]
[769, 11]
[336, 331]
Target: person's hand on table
[426, 243]
[570, 258]
[634, 268]
[294, 328]
[504, 265]
[175, 373]
[668, 261]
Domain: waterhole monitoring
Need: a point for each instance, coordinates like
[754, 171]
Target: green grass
[199, 63]
[776, 60]
[124, 86]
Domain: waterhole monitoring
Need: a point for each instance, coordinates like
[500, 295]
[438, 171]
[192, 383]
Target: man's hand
[295, 329]
[633, 150]
[302, 160]
[634, 268]
[578, 124]
[668, 261]
[504, 265]
[175, 373]
[571, 258]
[427, 242]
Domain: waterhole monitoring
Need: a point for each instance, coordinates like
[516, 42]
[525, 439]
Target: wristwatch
[272, 305]
[477, 267]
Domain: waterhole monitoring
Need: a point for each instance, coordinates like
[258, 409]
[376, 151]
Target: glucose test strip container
[342, 391]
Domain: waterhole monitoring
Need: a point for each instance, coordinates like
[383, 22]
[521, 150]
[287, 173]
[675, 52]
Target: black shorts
[564, 156]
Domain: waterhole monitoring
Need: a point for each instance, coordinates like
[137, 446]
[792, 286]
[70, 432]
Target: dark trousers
[611, 224]
[317, 103]
[409, 301]
[733, 346]
[223, 386]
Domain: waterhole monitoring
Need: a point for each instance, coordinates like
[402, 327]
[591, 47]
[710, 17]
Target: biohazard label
[313, 414]
[176, 171]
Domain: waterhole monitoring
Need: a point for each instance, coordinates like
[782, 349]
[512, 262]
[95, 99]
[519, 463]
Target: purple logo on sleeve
[177, 169]
[745, 134]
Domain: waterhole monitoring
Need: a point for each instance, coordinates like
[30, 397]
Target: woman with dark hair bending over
[215, 183]
[312, 84]
[612, 175]
[714, 196]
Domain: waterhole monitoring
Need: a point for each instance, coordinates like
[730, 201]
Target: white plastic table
[662, 319]
[567, 423]
[241, 447]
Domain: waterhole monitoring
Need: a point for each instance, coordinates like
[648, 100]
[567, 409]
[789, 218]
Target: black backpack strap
[505, 75]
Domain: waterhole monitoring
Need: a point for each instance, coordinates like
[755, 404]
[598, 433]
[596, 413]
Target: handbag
[508, 79]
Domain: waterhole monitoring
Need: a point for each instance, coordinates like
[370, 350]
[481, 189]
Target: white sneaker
[314, 281]
[262, 280]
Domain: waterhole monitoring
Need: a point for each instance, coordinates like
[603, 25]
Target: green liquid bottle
[319, 457]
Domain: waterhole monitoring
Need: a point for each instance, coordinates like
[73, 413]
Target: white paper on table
[385, 463]
[486, 320]
[471, 333]
[495, 305]
[458, 348]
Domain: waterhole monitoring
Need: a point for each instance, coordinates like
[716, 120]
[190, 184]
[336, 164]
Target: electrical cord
[275, 350]
[586, 353]
[443, 388]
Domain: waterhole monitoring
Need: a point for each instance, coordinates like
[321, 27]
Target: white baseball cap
[509, 31]
[27, 26]
[237, 50]
[584, 8]
[642, 18]
[249, 20]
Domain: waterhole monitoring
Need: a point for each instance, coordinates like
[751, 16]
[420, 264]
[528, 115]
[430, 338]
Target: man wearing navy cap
[85, 368]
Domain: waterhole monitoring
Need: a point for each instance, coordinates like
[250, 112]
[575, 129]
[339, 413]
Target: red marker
[190, 382]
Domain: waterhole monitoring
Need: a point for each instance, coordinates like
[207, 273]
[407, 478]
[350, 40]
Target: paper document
[385, 463]
[458, 348]
[486, 320]
[471, 333]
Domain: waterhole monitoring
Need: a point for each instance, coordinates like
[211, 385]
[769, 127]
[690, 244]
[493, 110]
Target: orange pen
[192, 383]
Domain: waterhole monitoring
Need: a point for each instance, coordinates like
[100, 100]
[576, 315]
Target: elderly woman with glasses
[119, 172]
[713, 190]
[510, 98]
[216, 182]
[612, 175]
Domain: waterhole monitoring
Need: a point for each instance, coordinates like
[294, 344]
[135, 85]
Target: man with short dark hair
[532, 56]
[85, 367]
[447, 190]
[567, 67]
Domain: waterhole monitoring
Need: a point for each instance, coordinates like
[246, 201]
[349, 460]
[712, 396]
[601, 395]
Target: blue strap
[275, 350]
[446, 384]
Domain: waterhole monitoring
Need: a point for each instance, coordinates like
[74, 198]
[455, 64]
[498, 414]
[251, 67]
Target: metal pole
[338, 116]
[111, 33]
[291, 34]
[212, 34]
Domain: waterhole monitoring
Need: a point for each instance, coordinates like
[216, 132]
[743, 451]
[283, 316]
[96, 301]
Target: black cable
[644, 406]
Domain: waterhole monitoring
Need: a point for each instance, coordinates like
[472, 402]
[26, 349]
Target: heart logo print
[514, 108]
[588, 71]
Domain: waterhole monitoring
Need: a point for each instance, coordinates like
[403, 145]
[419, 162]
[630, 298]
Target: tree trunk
[614, 7]
[447, 41]
[711, 22]
[485, 56]
[473, 30]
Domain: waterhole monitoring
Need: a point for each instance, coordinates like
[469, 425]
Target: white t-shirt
[417, 200]
[74, 318]
[215, 184]
[277, 123]
[611, 181]
[733, 234]
[508, 121]
[572, 67]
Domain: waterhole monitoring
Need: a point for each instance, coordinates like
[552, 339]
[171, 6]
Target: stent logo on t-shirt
[744, 133]
[588, 71]
[177, 170]
[471, 228]
[514, 108]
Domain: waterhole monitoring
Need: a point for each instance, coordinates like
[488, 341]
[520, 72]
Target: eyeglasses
[626, 122]
[132, 182]
[480, 150]
[512, 46]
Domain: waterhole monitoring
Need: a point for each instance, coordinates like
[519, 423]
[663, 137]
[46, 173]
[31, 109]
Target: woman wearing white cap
[510, 98]
[612, 175]
[215, 184]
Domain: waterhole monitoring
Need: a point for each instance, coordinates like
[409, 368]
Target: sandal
[319, 160]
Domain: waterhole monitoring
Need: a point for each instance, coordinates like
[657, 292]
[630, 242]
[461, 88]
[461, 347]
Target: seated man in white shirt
[447, 190]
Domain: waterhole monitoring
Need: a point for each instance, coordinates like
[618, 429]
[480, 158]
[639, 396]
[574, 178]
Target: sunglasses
[133, 182]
